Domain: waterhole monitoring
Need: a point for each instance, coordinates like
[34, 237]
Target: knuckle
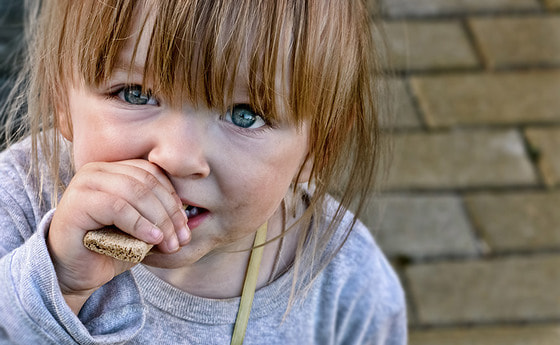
[166, 224]
[90, 166]
[178, 214]
[137, 223]
[139, 190]
[175, 196]
[119, 205]
[150, 180]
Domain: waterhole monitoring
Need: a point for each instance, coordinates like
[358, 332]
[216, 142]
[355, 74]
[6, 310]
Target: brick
[501, 290]
[489, 98]
[428, 45]
[403, 112]
[517, 221]
[533, 44]
[546, 143]
[420, 226]
[400, 8]
[521, 335]
[552, 4]
[460, 159]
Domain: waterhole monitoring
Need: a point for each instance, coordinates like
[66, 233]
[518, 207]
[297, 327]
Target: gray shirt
[356, 299]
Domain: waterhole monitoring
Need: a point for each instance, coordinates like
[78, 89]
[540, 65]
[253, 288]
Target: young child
[196, 126]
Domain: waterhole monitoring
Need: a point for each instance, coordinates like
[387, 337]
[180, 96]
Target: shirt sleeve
[33, 310]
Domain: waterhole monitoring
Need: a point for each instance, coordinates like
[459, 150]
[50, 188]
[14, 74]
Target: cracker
[117, 244]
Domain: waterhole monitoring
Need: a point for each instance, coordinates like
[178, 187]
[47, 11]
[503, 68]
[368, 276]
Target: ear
[64, 124]
[304, 174]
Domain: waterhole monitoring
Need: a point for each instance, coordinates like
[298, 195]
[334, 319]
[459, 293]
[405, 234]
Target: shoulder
[369, 295]
[18, 166]
[15, 160]
[25, 192]
[356, 251]
[15, 174]
[361, 264]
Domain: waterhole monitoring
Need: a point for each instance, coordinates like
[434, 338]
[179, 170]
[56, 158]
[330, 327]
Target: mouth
[193, 211]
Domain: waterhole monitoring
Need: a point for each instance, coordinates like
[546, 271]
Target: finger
[153, 169]
[153, 195]
[108, 209]
[146, 172]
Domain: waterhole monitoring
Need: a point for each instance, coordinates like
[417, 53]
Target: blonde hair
[328, 64]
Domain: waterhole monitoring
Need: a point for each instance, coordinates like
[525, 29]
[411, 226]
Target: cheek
[263, 180]
[99, 133]
[96, 140]
[97, 146]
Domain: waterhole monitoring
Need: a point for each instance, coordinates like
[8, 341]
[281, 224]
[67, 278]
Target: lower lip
[195, 221]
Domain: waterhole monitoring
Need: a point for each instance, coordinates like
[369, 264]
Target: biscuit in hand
[117, 244]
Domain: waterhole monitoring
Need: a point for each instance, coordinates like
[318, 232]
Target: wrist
[74, 295]
[76, 301]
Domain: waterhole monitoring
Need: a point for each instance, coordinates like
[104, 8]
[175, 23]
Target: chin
[170, 261]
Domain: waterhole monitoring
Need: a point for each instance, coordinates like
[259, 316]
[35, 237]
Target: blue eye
[133, 95]
[243, 116]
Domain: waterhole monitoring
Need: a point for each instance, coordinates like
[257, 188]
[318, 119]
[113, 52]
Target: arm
[34, 311]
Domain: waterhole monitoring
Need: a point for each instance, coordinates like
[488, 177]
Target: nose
[179, 145]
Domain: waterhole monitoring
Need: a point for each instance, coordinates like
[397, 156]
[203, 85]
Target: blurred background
[469, 215]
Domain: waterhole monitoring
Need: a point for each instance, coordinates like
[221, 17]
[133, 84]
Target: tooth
[192, 212]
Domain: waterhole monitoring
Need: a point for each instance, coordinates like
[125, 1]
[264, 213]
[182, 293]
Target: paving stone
[523, 335]
[517, 221]
[403, 110]
[460, 159]
[534, 42]
[546, 143]
[428, 45]
[489, 98]
[419, 226]
[502, 290]
[552, 4]
[399, 8]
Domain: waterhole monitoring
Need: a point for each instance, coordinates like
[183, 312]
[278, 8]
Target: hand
[133, 195]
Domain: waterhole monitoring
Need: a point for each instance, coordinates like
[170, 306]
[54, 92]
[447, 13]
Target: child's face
[234, 167]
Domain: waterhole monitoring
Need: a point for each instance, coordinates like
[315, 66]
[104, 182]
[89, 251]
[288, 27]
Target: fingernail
[156, 234]
[183, 235]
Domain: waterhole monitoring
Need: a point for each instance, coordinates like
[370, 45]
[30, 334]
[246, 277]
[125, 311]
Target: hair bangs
[203, 52]
[212, 52]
